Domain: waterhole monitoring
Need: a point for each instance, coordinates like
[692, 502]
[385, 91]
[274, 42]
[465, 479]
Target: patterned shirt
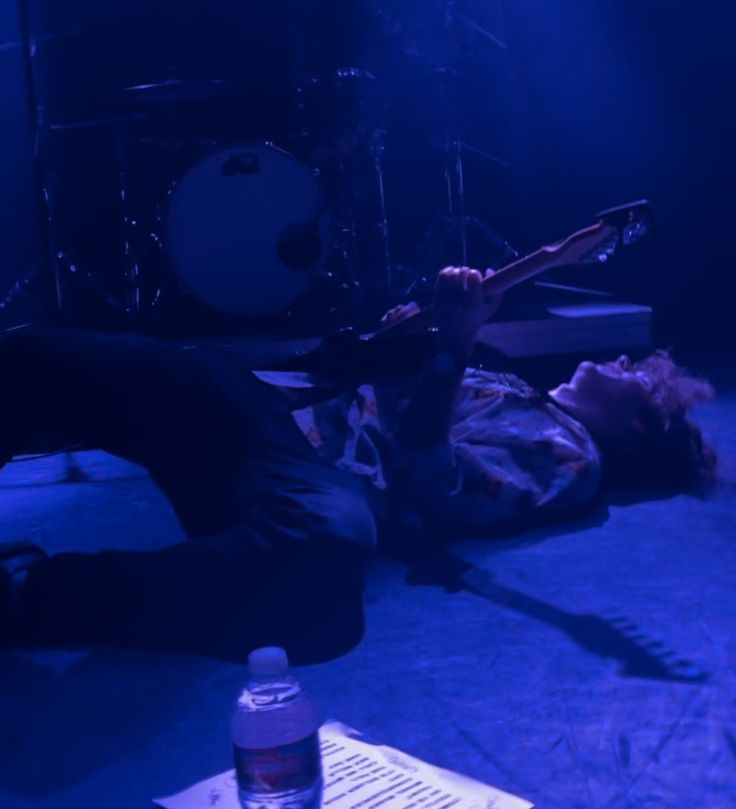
[512, 455]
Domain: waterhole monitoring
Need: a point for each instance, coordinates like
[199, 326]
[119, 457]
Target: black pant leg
[144, 400]
[289, 575]
[221, 597]
[119, 393]
[292, 578]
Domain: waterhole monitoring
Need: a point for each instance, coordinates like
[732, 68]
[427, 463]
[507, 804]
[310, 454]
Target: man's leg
[291, 576]
[141, 399]
[108, 391]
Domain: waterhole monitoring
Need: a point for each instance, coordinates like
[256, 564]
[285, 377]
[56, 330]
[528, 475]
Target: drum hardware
[244, 230]
[340, 111]
[130, 304]
[456, 224]
[343, 132]
[113, 121]
[63, 262]
[66, 264]
[475, 26]
[132, 293]
[129, 301]
[171, 144]
[377, 150]
[438, 39]
[175, 91]
[210, 237]
[347, 236]
[31, 43]
[440, 23]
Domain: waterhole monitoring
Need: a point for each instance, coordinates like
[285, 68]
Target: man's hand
[462, 307]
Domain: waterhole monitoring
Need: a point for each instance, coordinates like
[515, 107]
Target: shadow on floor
[612, 638]
[609, 637]
[58, 728]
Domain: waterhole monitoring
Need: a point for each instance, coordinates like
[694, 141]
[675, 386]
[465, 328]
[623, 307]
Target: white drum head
[226, 220]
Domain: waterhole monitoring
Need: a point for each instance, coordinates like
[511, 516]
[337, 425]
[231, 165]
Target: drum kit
[213, 224]
[243, 230]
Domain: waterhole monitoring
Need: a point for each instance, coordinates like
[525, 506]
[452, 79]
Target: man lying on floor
[280, 505]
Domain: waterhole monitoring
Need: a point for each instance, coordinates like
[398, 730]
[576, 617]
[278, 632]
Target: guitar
[403, 344]
[615, 227]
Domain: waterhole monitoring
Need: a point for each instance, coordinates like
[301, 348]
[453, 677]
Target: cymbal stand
[377, 149]
[362, 237]
[52, 295]
[456, 224]
[131, 266]
[127, 303]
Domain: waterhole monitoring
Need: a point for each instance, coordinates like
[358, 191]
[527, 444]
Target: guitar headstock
[623, 215]
[595, 244]
[634, 221]
[619, 226]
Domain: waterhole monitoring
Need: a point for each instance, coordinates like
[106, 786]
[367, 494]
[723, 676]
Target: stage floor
[506, 684]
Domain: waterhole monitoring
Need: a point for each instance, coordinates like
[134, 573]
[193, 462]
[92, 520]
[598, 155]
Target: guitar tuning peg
[634, 232]
[603, 252]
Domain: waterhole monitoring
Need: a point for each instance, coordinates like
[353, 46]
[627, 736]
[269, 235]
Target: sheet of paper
[359, 775]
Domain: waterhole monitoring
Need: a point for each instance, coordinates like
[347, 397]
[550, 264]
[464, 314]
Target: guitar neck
[546, 258]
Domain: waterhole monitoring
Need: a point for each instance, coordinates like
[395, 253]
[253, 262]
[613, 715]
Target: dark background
[625, 99]
[19, 226]
[587, 105]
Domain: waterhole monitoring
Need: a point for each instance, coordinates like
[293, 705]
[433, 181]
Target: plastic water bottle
[275, 738]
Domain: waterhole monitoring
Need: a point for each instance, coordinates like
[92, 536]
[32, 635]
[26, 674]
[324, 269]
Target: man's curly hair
[670, 449]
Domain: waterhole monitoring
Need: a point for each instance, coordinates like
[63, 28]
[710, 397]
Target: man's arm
[461, 309]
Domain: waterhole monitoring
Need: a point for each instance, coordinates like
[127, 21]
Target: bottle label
[285, 768]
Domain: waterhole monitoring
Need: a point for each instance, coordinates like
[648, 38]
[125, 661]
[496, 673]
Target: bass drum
[243, 230]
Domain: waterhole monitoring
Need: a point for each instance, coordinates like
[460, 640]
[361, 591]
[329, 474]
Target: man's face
[608, 398]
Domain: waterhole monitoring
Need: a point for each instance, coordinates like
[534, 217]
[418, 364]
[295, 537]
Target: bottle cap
[268, 661]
